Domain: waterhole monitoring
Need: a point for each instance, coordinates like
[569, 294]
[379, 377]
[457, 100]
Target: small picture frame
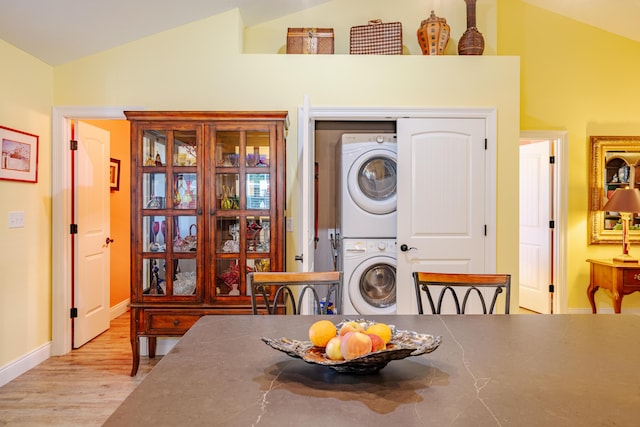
[114, 174]
[19, 150]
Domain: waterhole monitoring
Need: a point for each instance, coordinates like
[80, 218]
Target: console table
[621, 278]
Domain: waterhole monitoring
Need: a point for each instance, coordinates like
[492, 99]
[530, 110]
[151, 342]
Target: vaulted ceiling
[64, 30]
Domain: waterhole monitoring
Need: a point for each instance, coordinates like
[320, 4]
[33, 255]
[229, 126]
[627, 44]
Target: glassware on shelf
[158, 160]
[253, 233]
[228, 276]
[155, 228]
[163, 230]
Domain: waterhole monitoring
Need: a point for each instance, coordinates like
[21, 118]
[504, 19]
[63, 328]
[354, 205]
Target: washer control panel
[371, 246]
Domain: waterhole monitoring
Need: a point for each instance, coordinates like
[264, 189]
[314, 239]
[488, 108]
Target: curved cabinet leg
[152, 347]
[135, 350]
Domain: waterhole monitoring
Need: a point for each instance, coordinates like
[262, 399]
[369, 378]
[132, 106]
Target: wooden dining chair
[284, 292]
[468, 287]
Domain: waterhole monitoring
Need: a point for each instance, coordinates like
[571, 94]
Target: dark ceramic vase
[471, 42]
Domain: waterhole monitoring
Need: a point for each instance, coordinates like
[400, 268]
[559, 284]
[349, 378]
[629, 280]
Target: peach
[333, 348]
[377, 343]
[351, 326]
[355, 344]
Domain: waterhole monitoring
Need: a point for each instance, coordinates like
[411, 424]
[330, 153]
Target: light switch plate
[290, 225]
[16, 219]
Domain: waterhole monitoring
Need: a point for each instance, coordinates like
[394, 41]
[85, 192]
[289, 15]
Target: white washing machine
[369, 276]
[367, 185]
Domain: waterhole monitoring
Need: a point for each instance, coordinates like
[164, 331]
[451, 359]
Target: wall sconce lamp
[627, 202]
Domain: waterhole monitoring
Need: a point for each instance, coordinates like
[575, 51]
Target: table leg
[591, 291]
[617, 302]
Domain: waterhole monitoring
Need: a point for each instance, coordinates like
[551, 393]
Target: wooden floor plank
[81, 388]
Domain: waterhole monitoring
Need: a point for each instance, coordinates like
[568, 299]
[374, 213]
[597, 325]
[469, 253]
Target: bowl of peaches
[355, 346]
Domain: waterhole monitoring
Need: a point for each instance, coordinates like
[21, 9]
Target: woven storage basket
[376, 38]
[310, 40]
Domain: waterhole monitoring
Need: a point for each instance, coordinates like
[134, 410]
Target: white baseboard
[21, 365]
[32, 359]
[163, 345]
[119, 309]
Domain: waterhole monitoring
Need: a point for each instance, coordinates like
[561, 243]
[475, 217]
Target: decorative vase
[433, 35]
[471, 42]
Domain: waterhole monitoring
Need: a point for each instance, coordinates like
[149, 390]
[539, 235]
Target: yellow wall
[120, 148]
[26, 97]
[583, 80]
[200, 66]
[156, 73]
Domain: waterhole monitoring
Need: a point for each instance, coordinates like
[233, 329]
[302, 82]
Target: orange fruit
[380, 329]
[321, 332]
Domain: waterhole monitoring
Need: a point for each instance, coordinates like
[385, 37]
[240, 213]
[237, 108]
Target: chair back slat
[472, 285]
[277, 290]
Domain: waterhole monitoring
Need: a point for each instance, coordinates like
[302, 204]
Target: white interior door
[535, 235]
[442, 201]
[306, 172]
[91, 290]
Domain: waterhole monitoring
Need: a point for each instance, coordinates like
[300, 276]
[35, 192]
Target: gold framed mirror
[614, 163]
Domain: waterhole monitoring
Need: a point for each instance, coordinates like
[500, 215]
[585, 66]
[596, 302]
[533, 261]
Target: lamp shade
[623, 200]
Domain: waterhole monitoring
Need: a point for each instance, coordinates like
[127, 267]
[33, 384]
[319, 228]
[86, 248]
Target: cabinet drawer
[169, 323]
[632, 278]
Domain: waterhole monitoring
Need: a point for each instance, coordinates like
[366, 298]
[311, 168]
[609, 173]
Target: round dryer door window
[372, 182]
[373, 289]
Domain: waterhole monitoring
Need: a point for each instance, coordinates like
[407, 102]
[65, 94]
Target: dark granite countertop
[514, 370]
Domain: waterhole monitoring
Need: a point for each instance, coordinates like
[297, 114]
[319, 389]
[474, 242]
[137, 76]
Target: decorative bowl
[402, 344]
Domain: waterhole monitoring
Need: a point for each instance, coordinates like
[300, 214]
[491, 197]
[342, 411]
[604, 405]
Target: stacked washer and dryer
[366, 217]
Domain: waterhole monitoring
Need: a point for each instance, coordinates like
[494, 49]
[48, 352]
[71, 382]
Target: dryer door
[372, 181]
[372, 286]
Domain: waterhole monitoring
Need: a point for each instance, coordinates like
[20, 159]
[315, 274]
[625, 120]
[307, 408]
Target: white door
[535, 234]
[306, 172]
[92, 210]
[441, 200]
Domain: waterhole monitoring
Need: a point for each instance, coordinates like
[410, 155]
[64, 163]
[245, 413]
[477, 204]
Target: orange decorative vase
[471, 42]
[433, 35]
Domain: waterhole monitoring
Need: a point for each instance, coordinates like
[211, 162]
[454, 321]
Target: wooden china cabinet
[207, 206]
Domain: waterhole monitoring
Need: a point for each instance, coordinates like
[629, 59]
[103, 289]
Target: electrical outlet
[16, 219]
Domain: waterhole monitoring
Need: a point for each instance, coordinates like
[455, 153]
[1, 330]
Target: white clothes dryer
[369, 276]
[367, 185]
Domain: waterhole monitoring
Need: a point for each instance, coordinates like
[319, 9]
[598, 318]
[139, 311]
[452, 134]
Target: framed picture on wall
[19, 161]
[114, 174]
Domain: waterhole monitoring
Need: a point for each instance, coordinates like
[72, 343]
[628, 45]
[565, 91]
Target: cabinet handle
[199, 211]
[175, 322]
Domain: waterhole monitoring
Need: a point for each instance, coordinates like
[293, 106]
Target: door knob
[298, 258]
[405, 248]
[107, 241]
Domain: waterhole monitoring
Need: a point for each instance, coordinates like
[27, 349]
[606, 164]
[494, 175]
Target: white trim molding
[21, 365]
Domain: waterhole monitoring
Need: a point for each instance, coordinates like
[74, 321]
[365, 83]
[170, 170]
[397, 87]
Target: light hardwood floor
[81, 388]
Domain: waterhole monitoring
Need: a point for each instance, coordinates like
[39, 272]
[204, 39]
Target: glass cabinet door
[243, 181]
[169, 213]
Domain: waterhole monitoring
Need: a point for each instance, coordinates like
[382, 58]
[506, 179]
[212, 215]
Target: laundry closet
[357, 238]
[437, 170]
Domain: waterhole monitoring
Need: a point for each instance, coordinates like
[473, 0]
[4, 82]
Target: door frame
[61, 272]
[560, 238]
[308, 115]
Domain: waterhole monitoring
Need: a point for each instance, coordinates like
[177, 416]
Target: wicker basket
[376, 38]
